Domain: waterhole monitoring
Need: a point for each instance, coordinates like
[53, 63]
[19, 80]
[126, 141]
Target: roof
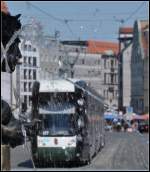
[102, 47]
[4, 7]
[58, 85]
[126, 30]
[145, 36]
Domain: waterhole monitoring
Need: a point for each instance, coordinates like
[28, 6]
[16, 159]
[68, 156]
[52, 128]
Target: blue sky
[106, 14]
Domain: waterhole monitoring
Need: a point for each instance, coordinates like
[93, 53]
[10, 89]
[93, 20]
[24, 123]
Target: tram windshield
[46, 99]
[58, 125]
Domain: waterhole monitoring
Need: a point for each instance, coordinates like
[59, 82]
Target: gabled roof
[102, 47]
[126, 30]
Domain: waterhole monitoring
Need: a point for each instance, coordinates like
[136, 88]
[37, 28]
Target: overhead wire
[46, 13]
[63, 21]
[134, 12]
[67, 21]
[69, 28]
[130, 16]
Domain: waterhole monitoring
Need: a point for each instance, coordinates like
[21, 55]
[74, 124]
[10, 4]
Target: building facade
[145, 45]
[124, 67]
[49, 57]
[96, 63]
[126, 76]
[139, 69]
[27, 72]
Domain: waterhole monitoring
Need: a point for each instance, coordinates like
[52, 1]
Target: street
[123, 151]
[71, 70]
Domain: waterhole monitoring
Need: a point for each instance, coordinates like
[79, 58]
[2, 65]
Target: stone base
[5, 158]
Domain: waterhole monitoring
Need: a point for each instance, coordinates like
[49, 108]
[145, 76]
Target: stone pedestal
[5, 158]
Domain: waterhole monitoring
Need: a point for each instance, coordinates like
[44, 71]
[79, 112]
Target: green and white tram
[72, 128]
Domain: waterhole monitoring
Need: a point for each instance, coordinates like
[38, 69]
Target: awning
[109, 117]
[141, 117]
[112, 116]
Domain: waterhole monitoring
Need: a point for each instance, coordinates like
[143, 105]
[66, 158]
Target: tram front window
[49, 99]
[58, 125]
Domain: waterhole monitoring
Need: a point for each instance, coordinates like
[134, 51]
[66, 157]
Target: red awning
[142, 117]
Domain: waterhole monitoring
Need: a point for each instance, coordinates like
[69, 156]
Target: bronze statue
[10, 127]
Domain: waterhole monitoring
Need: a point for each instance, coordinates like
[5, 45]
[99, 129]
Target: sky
[96, 20]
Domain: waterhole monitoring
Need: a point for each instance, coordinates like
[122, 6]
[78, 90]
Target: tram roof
[58, 85]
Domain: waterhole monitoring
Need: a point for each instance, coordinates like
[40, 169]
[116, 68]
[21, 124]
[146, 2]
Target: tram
[72, 122]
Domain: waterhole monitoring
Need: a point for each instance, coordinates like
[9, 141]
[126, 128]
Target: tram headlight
[80, 102]
[77, 155]
[80, 123]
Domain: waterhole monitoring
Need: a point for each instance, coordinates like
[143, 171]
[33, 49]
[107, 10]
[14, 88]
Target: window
[72, 74]
[30, 100]
[104, 78]
[25, 74]
[99, 72]
[25, 100]
[29, 74]
[113, 94]
[115, 62]
[30, 87]
[108, 65]
[34, 74]
[34, 61]
[112, 78]
[116, 94]
[29, 60]
[76, 50]
[25, 60]
[34, 49]
[83, 61]
[112, 63]
[29, 48]
[116, 79]
[107, 78]
[25, 47]
[25, 87]
[105, 63]
[99, 61]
